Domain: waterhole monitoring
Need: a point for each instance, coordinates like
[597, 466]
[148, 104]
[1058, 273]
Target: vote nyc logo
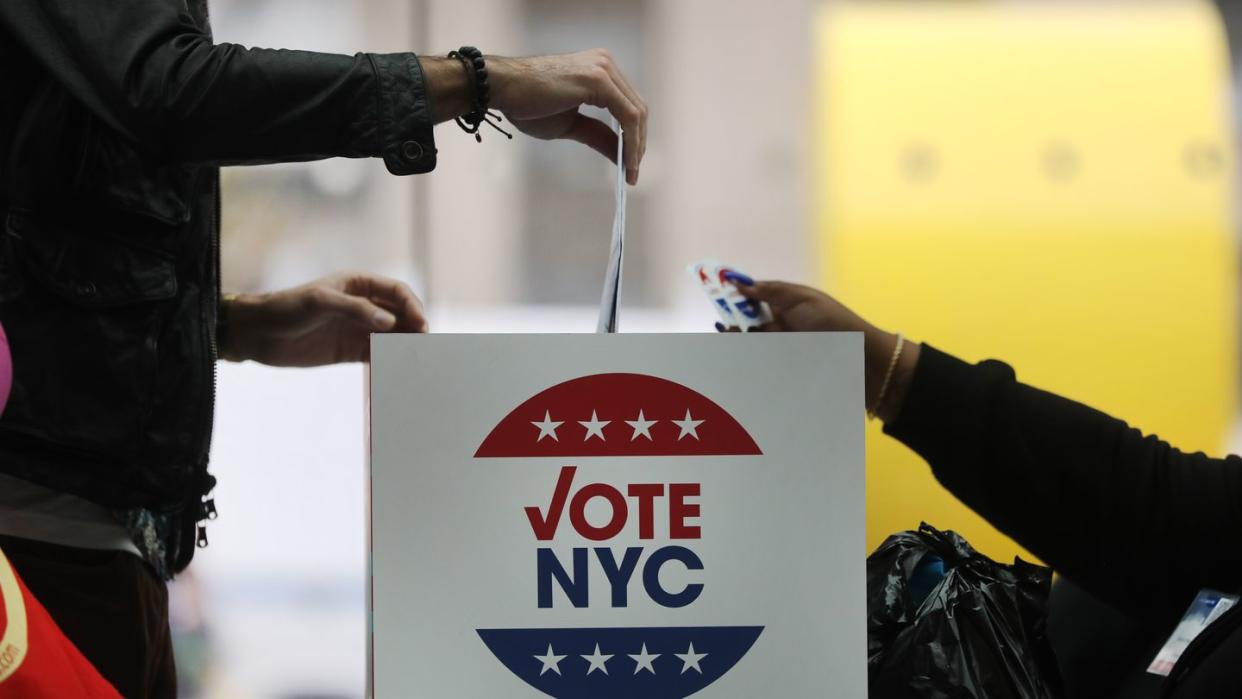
[640, 539]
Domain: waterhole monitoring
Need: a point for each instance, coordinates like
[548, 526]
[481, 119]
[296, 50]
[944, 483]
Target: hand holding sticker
[736, 311]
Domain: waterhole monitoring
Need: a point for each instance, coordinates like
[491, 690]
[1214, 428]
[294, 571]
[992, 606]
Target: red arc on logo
[618, 415]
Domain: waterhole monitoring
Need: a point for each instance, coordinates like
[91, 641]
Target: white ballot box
[598, 516]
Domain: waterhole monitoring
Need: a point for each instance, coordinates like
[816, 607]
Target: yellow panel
[1045, 184]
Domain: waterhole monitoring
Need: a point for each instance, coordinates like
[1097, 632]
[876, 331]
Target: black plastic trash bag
[944, 621]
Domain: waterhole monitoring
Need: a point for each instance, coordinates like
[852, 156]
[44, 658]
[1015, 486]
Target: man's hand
[541, 97]
[798, 308]
[328, 321]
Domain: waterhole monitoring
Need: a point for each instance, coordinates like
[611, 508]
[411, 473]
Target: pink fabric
[6, 370]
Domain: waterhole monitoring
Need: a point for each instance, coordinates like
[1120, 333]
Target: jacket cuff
[406, 138]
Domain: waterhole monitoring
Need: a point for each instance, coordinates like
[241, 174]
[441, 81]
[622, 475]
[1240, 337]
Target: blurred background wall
[1050, 184]
[989, 176]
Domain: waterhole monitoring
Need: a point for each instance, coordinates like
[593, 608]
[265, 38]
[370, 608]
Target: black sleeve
[147, 70]
[1135, 521]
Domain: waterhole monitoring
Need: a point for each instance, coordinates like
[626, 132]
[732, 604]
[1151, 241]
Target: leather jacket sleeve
[145, 68]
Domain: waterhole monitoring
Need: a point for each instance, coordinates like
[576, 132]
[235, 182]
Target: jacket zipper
[207, 508]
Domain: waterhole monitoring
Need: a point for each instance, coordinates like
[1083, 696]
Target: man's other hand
[328, 321]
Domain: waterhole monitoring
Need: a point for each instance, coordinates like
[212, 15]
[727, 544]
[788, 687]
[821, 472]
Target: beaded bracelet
[480, 94]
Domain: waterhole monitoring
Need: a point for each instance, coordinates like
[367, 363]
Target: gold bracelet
[888, 376]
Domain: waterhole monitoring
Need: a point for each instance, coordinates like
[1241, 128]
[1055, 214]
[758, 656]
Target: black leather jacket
[114, 119]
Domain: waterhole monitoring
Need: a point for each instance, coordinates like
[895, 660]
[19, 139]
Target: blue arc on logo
[654, 663]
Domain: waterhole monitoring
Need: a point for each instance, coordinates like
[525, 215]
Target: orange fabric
[37, 661]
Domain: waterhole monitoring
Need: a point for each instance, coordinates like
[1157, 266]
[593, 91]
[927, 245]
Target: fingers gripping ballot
[631, 112]
[608, 88]
[596, 135]
[542, 96]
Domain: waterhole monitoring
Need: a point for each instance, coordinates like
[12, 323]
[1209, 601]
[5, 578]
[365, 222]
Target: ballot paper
[611, 300]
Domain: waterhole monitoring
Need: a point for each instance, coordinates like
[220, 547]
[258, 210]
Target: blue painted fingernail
[739, 278]
[720, 327]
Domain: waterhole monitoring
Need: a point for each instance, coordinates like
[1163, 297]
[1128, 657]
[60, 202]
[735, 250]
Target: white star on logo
[645, 660]
[547, 428]
[597, 661]
[551, 661]
[690, 659]
[689, 426]
[594, 427]
[641, 426]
